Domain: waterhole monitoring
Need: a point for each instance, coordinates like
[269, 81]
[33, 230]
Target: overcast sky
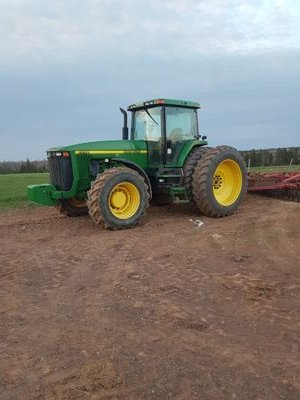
[66, 66]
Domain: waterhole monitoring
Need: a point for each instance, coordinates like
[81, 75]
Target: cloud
[66, 66]
[247, 100]
[35, 30]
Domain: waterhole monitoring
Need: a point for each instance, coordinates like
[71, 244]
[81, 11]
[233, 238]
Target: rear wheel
[118, 198]
[188, 170]
[219, 182]
[72, 207]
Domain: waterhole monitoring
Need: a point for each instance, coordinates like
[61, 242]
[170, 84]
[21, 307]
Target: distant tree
[265, 157]
[259, 159]
[5, 169]
[296, 155]
[253, 158]
[279, 156]
[28, 166]
[270, 159]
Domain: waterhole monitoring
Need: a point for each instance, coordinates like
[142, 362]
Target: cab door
[181, 125]
[148, 126]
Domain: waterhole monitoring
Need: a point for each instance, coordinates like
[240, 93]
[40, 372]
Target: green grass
[13, 188]
[285, 168]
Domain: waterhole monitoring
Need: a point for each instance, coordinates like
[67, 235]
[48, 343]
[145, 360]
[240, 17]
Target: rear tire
[72, 207]
[219, 182]
[118, 198]
[188, 170]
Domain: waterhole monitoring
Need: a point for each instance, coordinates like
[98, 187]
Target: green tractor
[164, 160]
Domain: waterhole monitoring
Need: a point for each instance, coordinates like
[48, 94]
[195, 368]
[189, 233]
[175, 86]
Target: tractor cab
[167, 125]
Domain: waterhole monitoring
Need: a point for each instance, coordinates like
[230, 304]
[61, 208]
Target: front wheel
[72, 207]
[118, 198]
[219, 182]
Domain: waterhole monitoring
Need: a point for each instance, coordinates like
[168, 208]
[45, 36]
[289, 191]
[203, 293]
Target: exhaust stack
[125, 127]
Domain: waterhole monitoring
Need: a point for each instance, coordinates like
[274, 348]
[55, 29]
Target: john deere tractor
[162, 160]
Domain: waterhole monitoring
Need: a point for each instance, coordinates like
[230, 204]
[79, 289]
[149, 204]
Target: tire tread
[200, 190]
[95, 192]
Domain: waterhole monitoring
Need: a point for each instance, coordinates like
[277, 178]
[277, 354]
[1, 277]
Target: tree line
[272, 157]
[257, 157]
[19, 167]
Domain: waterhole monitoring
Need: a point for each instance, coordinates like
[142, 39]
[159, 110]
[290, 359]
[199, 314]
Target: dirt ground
[168, 310]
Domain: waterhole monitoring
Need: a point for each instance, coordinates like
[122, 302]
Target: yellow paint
[227, 182]
[124, 200]
[110, 152]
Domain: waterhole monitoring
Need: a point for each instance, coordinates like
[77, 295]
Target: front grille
[61, 175]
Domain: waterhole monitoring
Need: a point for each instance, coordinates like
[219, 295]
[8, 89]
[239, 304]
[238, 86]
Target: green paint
[41, 194]
[179, 195]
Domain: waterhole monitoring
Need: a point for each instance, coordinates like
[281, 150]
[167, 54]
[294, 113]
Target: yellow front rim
[227, 182]
[124, 200]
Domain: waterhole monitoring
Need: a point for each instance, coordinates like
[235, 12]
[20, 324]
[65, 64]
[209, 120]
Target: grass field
[13, 192]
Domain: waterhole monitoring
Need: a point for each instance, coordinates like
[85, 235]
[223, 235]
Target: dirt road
[168, 310]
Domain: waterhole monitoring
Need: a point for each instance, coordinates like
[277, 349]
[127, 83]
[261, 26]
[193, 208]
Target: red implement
[284, 185]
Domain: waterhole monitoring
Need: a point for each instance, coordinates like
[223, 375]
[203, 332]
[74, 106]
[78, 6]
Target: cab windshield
[181, 124]
[147, 124]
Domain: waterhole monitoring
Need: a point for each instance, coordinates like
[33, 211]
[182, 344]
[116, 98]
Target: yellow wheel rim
[124, 200]
[227, 182]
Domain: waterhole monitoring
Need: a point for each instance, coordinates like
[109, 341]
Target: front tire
[118, 198]
[219, 182]
[72, 207]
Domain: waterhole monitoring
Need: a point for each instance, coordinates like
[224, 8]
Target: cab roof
[167, 102]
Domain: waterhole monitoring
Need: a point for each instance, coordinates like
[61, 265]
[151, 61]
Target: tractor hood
[106, 147]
